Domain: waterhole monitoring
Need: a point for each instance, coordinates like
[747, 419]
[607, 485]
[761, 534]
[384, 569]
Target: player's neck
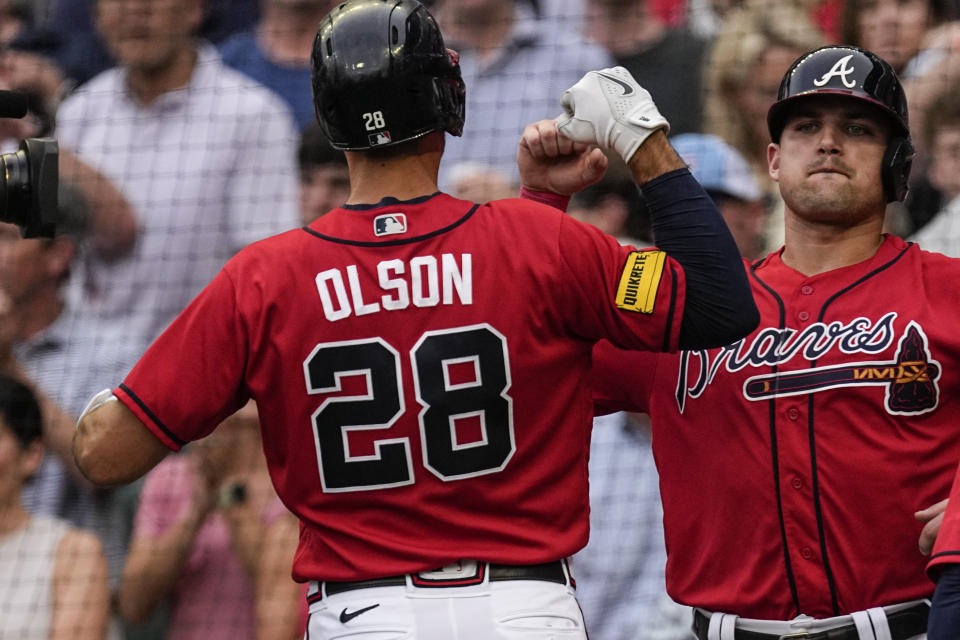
[813, 249]
[403, 177]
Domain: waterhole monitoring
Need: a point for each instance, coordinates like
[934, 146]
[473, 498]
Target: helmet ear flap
[450, 96]
[897, 161]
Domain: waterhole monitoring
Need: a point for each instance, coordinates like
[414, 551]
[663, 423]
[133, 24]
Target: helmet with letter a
[861, 75]
[382, 75]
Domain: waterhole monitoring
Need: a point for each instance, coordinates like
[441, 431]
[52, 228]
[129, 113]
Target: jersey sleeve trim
[147, 417]
[939, 559]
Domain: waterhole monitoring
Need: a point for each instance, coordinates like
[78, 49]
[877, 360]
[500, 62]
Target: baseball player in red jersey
[792, 461]
[420, 362]
[944, 569]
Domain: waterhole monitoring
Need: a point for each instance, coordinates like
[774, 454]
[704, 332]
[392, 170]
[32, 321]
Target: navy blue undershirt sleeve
[687, 225]
[945, 614]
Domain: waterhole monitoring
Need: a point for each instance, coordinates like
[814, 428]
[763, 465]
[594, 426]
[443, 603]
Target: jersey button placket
[806, 290]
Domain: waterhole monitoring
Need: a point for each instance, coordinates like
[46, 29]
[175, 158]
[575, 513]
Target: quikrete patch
[640, 281]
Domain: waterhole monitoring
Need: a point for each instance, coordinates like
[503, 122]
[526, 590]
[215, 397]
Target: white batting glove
[608, 108]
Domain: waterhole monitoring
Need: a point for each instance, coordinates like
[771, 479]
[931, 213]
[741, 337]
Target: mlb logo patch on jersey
[389, 224]
[640, 281]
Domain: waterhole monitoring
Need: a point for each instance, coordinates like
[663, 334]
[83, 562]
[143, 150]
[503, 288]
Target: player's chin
[827, 203]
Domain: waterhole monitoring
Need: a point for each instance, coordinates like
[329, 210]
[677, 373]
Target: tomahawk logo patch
[389, 224]
[640, 281]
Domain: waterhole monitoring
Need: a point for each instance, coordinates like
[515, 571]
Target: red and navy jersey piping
[180, 442]
[395, 242]
[390, 201]
[815, 485]
[672, 311]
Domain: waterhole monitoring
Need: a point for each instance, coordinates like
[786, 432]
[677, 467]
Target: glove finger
[565, 146]
[568, 102]
[578, 130]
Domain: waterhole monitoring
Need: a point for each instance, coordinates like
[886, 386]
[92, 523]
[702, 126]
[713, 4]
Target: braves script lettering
[772, 346]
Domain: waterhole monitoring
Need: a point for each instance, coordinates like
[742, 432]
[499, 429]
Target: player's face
[147, 35]
[828, 161]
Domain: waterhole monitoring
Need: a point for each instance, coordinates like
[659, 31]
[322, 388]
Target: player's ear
[773, 161]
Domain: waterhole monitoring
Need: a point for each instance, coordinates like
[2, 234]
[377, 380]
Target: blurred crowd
[186, 131]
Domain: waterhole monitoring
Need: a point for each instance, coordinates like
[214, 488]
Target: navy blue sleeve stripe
[152, 416]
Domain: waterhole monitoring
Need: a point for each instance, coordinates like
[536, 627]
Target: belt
[547, 572]
[903, 624]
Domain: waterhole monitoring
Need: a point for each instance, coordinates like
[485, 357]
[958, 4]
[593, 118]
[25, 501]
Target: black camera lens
[28, 187]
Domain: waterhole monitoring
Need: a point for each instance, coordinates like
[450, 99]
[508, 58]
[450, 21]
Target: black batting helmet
[857, 73]
[382, 75]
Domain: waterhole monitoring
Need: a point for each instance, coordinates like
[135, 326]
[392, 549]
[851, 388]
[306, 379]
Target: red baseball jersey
[421, 373]
[792, 461]
[947, 547]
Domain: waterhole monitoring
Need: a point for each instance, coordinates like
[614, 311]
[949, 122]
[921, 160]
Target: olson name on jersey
[424, 281]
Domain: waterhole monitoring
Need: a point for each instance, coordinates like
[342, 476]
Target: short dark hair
[20, 410]
[314, 149]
